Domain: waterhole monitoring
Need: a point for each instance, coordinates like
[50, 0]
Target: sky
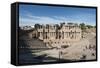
[33, 14]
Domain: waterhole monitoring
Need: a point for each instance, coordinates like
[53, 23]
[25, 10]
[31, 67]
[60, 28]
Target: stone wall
[54, 36]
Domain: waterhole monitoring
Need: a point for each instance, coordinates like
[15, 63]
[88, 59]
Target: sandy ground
[85, 49]
[82, 50]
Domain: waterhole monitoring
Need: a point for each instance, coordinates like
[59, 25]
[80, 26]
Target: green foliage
[94, 26]
[83, 26]
[89, 26]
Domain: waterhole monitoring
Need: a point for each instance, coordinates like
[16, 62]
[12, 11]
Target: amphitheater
[53, 43]
[53, 36]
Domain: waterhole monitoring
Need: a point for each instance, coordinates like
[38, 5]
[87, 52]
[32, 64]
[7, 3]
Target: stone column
[67, 34]
[74, 35]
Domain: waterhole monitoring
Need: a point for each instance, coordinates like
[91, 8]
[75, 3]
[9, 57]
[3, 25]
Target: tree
[83, 26]
[95, 26]
[89, 26]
